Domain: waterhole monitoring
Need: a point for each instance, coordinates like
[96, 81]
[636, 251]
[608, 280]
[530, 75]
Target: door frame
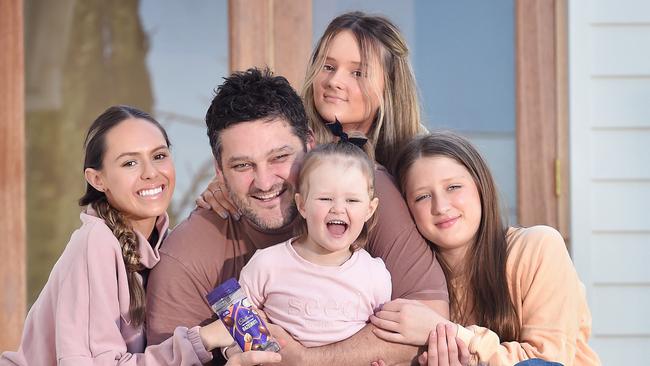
[542, 114]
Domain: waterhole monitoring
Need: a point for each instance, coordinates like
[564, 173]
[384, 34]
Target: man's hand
[291, 350]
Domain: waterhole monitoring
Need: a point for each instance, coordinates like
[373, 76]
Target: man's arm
[174, 298]
[361, 349]
[190, 261]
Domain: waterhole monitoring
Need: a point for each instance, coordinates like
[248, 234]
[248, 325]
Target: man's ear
[94, 178]
[311, 140]
[300, 204]
[374, 203]
[218, 170]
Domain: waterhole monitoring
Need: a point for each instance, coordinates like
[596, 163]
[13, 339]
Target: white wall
[609, 76]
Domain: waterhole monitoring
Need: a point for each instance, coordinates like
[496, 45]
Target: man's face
[260, 161]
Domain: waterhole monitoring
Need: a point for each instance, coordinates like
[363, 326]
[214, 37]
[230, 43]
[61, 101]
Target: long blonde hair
[397, 120]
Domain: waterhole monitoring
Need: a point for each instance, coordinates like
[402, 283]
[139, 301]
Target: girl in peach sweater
[514, 293]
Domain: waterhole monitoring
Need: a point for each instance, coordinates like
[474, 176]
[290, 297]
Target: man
[259, 135]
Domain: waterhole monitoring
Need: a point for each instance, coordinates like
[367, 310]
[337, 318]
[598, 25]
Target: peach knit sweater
[550, 301]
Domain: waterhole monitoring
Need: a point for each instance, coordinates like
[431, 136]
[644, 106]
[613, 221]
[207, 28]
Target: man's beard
[288, 213]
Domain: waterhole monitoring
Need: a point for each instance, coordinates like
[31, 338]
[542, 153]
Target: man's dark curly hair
[252, 95]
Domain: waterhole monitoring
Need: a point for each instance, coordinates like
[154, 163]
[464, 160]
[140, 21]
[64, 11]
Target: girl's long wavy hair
[485, 262]
[398, 119]
[95, 148]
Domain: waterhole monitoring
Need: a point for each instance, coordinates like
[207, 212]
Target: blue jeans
[537, 362]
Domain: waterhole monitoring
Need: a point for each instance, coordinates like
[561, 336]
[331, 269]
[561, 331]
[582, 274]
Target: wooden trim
[562, 110]
[273, 33]
[248, 32]
[12, 174]
[541, 113]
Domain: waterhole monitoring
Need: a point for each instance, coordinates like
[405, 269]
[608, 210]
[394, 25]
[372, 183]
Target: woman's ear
[300, 204]
[373, 207]
[94, 178]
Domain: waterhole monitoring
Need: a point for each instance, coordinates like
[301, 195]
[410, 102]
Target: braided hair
[95, 148]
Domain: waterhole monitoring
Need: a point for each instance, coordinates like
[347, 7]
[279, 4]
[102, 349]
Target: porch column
[12, 175]
[273, 33]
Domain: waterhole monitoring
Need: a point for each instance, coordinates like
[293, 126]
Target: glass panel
[187, 59]
[161, 56]
[463, 58]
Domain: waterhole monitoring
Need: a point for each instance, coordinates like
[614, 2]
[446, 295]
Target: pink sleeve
[252, 279]
[383, 285]
[88, 314]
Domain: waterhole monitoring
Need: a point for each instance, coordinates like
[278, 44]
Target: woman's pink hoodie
[81, 316]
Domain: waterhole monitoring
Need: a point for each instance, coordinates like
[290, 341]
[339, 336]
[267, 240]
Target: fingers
[393, 316]
[423, 358]
[452, 347]
[442, 348]
[202, 202]
[216, 204]
[280, 335]
[432, 351]
[389, 336]
[378, 363]
[215, 197]
[397, 304]
[208, 201]
[214, 184]
[384, 323]
[223, 200]
[463, 350]
[251, 358]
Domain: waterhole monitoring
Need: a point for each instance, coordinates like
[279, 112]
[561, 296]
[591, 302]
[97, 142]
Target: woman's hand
[215, 335]
[215, 197]
[445, 349]
[406, 321]
[251, 358]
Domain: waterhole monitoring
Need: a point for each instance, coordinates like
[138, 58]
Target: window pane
[164, 57]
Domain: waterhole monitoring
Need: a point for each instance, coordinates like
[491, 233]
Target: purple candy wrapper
[246, 327]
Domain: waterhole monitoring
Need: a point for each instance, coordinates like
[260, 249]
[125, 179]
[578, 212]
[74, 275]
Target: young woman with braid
[92, 309]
